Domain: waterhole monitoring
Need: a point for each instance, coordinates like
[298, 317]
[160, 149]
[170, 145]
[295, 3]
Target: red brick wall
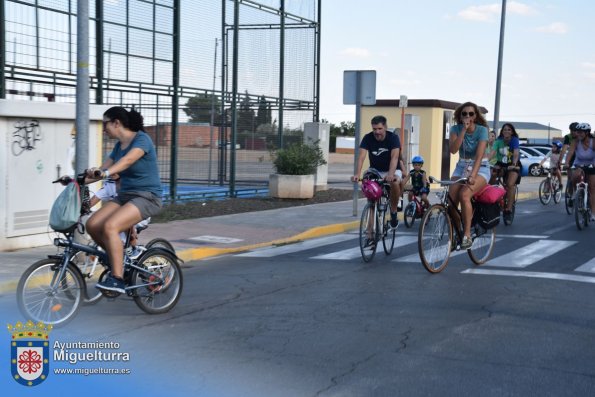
[188, 135]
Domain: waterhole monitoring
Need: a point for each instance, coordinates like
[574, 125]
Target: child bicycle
[52, 290]
[550, 188]
[375, 220]
[439, 234]
[415, 209]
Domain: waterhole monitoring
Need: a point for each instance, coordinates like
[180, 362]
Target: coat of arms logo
[29, 352]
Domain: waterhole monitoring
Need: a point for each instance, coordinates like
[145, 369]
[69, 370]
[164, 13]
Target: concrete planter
[291, 186]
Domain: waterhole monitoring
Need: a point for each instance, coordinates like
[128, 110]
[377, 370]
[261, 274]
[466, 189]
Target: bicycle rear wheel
[580, 211]
[409, 214]
[368, 233]
[545, 191]
[160, 281]
[483, 244]
[388, 233]
[42, 297]
[434, 238]
[92, 273]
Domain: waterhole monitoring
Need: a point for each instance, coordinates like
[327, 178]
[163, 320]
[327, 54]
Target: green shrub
[298, 158]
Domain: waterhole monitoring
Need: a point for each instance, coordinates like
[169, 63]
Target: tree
[345, 128]
[263, 115]
[198, 108]
[246, 121]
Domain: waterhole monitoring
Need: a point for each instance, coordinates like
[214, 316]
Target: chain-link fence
[255, 62]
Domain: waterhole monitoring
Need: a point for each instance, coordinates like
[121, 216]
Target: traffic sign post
[359, 88]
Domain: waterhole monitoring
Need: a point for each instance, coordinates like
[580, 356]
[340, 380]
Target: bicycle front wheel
[389, 234]
[42, 295]
[568, 202]
[557, 195]
[434, 238]
[158, 286]
[483, 244]
[160, 243]
[409, 214]
[368, 233]
[545, 191]
[580, 211]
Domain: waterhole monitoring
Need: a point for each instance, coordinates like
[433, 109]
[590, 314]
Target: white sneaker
[592, 218]
[466, 243]
[137, 251]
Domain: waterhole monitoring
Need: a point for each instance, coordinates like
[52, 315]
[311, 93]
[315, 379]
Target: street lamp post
[499, 72]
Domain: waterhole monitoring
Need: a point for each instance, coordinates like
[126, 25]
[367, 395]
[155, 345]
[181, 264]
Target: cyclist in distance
[468, 137]
[139, 197]
[508, 162]
[583, 150]
[568, 139]
[555, 159]
[419, 181]
[383, 148]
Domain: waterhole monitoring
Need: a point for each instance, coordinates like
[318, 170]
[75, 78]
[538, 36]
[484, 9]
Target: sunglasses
[470, 114]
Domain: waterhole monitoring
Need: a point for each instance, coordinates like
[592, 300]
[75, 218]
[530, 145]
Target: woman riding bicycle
[134, 159]
[583, 147]
[508, 162]
[469, 136]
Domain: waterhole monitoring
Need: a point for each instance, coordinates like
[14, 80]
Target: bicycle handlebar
[448, 183]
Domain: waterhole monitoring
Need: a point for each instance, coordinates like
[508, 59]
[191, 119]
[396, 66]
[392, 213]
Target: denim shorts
[398, 174]
[484, 169]
[147, 203]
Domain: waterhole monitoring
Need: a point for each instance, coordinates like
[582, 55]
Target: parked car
[530, 164]
[542, 150]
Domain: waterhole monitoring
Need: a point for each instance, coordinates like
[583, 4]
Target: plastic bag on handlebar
[66, 210]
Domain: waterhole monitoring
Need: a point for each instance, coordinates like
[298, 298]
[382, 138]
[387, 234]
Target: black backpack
[486, 215]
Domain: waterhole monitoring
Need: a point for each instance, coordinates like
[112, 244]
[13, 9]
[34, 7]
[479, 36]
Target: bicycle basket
[371, 189]
[486, 215]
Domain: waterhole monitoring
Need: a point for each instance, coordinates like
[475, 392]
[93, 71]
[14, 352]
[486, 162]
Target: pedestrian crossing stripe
[524, 273]
[530, 253]
[517, 259]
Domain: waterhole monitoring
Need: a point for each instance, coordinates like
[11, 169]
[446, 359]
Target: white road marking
[304, 245]
[352, 253]
[530, 254]
[520, 273]
[216, 239]
[588, 267]
[415, 257]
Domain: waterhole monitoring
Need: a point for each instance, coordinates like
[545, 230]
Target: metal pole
[82, 87]
[281, 72]
[234, 99]
[212, 112]
[358, 106]
[499, 73]
[173, 176]
[317, 77]
[99, 51]
[223, 122]
[2, 50]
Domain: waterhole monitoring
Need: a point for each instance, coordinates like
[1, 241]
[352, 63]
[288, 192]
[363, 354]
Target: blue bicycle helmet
[557, 143]
[417, 160]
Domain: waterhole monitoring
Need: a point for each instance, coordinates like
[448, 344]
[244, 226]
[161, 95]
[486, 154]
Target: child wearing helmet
[419, 181]
[554, 157]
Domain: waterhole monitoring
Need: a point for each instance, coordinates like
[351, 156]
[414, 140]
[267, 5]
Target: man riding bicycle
[383, 148]
[508, 163]
[568, 139]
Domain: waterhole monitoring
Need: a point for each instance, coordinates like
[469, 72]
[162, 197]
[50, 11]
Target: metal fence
[218, 82]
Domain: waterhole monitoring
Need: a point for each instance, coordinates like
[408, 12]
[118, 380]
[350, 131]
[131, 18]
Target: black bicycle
[53, 289]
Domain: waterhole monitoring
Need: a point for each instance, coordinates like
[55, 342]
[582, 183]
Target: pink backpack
[490, 194]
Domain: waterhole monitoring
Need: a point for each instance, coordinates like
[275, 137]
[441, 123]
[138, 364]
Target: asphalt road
[312, 319]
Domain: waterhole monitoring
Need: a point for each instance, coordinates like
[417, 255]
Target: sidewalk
[196, 239]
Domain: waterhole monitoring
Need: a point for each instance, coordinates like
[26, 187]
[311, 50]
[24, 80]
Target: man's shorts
[398, 174]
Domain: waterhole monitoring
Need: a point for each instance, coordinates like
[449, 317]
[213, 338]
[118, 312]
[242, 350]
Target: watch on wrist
[105, 174]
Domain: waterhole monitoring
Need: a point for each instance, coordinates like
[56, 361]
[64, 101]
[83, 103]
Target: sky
[448, 50]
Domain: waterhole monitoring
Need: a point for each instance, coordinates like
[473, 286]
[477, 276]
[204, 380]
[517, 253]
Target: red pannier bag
[490, 194]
